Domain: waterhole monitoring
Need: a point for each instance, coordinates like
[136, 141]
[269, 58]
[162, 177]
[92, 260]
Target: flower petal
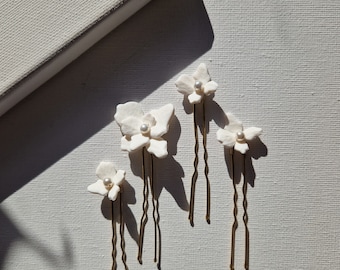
[131, 125]
[162, 117]
[149, 120]
[119, 177]
[113, 193]
[234, 124]
[241, 147]
[194, 98]
[128, 109]
[201, 74]
[158, 148]
[98, 188]
[252, 132]
[226, 137]
[210, 87]
[125, 144]
[185, 84]
[138, 141]
[105, 170]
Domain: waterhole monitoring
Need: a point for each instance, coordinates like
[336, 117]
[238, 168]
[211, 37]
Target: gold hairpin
[144, 132]
[195, 88]
[155, 212]
[234, 137]
[109, 184]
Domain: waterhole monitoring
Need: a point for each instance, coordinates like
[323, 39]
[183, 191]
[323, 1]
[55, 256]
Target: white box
[38, 38]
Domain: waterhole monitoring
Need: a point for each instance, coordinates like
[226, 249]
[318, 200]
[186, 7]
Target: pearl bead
[107, 182]
[144, 128]
[198, 85]
[240, 136]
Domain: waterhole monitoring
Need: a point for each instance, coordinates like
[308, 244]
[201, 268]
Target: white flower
[144, 130]
[109, 181]
[197, 85]
[233, 134]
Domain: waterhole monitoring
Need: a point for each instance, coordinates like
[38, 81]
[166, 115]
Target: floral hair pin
[109, 184]
[195, 88]
[234, 137]
[143, 132]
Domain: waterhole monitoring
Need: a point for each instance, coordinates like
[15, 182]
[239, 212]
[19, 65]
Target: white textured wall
[277, 64]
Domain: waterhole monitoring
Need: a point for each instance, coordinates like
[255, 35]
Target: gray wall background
[277, 64]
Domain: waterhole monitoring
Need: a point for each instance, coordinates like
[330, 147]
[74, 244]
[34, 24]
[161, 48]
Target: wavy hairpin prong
[155, 212]
[144, 132]
[114, 239]
[109, 184]
[156, 216]
[122, 239]
[245, 215]
[196, 87]
[206, 167]
[235, 223]
[195, 173]
[233, 136]
[144, 218]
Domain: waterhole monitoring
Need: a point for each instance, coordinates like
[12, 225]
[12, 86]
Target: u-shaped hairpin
[144, 132]
[195, 88]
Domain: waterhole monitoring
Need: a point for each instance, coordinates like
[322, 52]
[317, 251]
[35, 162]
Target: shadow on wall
[168, 173]
[128, 64]
[10, 233]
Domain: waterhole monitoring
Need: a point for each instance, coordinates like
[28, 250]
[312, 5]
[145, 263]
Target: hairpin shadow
[165, 173]
[203, 113]
[256, 150]
[238, 159]
[118, 212]
[171, 173]
[128, 197]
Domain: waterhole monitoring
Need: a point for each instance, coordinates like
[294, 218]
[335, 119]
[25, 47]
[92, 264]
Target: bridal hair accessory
[234, 137]
[195, 88]
[143, 132]
[109, 184]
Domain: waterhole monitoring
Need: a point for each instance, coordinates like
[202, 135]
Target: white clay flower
[144, 130]
[109, 181]
[233, 134]
[197, 85]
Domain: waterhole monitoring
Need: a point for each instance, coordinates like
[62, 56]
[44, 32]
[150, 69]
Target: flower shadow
[171, 175]
[257, 149]
[212, 112]
[127, 197]
[167, 172]
[239, 164]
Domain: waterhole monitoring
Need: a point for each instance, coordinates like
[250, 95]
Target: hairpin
[143, 132]
[109, 184]
[195, 88]
[234, 137]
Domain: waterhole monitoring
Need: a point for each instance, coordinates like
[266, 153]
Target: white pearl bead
[240, 136]
[198, 85]
[107, 182]
[144, 128]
